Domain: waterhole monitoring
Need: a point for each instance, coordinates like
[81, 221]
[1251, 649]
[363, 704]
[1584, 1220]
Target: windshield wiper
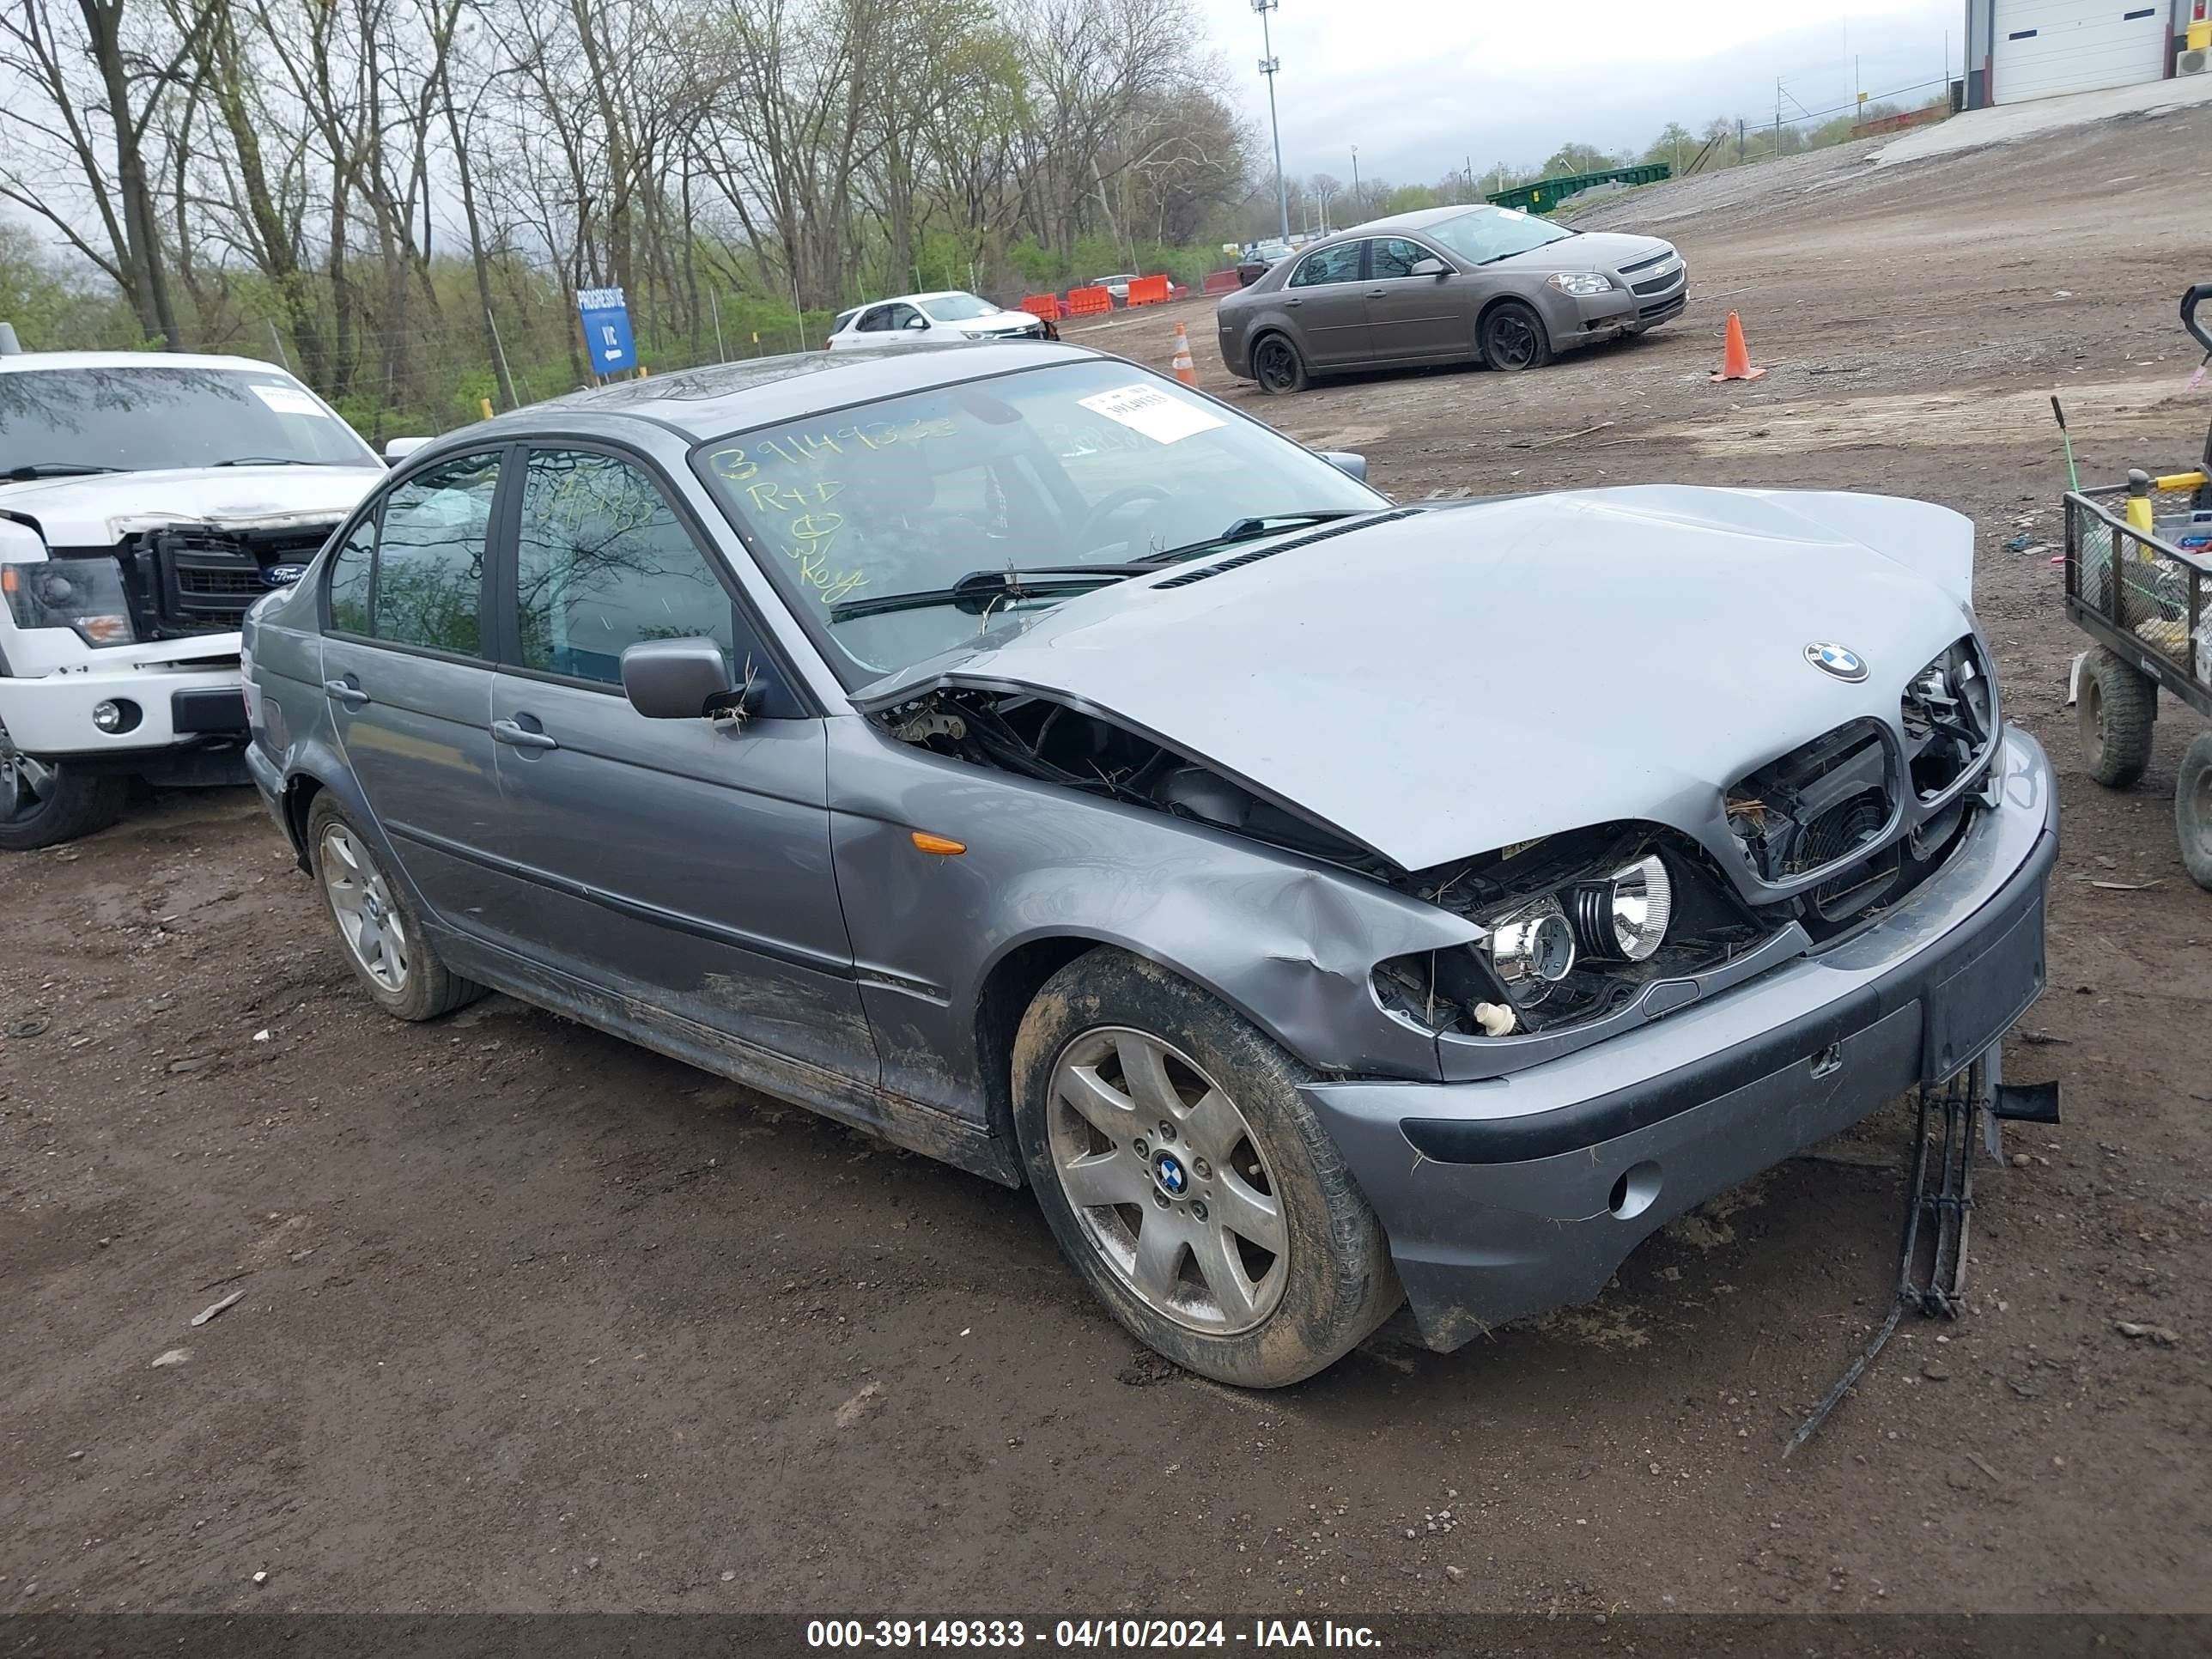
[268, 460]
[31, 470]
[1264, 524]
[979, 590]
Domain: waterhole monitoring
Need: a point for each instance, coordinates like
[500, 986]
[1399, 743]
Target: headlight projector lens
[1625, 919]
[1536, 944]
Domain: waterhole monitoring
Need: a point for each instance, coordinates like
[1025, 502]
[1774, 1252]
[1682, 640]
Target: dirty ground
[527, 1319]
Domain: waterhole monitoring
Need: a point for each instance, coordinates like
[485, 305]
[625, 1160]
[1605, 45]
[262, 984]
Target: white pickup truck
[146, 500]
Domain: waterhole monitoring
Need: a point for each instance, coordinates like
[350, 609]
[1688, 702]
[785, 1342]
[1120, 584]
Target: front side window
[56, 422]
[876, 321]
[1482, 234]
[1092, 462]
[430, 556]
[1395, 256]
[1339, 263]
[602, 562]
[901, 316]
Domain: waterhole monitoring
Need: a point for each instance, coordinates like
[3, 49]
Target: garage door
[2046, 47]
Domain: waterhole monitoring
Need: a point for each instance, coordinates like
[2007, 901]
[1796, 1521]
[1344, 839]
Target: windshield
[1491, 232]
[957, 307]
[1270, 251]
[133, 419]
[1084, 463]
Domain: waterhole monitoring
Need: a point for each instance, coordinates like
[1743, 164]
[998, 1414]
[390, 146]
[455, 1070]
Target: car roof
[916, 299]
[13, 362]
[720, 397]
[1417, 218]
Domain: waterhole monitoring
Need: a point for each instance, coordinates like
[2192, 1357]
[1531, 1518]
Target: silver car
[1451, 284]
[1317, 902]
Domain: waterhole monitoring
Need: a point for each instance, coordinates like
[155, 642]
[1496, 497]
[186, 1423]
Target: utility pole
[1355, 182]
[1268, 65]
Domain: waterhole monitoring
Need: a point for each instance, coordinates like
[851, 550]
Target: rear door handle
[345, 691]
[515, 732]
[1294, 302]
[1377, 293]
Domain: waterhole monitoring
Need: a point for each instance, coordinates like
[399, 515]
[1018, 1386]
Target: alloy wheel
[1277, 364]
[1167, 1180]
[362, 905]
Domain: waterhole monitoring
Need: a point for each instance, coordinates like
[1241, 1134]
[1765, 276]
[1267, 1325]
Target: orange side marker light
[943, 846]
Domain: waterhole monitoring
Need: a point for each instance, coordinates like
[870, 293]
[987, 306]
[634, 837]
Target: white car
[146, 500]
[950, 317]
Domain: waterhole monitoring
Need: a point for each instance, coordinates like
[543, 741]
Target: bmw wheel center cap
[1839, 661]
[1168, 1171]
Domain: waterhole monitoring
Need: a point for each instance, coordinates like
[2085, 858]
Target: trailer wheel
[2117, 704]
[2192, 809]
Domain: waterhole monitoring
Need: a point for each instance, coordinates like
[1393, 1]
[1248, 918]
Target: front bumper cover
[177, 703]
[1510, 1197]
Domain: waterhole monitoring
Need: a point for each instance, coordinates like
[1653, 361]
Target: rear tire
[2116, 705]
[2192, 809]
[1279, 366]
[385, 943]
[43, 805]
[1514, 338]
[1234, 1241]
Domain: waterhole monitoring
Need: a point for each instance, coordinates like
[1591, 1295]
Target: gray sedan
[1444, 285]
[1317, 903]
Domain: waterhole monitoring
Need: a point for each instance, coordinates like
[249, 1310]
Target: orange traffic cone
[1185, 370]
[1735, 356]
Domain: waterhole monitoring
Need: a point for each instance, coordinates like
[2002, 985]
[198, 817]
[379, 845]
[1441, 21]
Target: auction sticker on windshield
[288, 399]
[1152, 411]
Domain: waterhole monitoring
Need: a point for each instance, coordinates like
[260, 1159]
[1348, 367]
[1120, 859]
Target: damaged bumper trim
[1508, 1197]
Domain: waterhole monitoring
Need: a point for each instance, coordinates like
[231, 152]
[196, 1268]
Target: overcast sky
[1420, 84]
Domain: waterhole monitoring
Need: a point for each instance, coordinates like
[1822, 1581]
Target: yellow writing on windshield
[742, 462]
[812, 530]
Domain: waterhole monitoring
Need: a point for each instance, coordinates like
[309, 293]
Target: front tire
[1514, 338]
[385, 943]
[43, 805]
[1279, 366]
[1188, 1181]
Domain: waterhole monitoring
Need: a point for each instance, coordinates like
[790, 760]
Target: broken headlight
[1574, 927]
[82, 594]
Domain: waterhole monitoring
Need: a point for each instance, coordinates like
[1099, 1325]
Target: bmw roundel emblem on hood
[1839, 660]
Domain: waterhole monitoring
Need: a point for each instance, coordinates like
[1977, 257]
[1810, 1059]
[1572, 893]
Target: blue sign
[606, 327]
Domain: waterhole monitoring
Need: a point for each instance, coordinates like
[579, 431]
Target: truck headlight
[85, 595]
[1583, 284]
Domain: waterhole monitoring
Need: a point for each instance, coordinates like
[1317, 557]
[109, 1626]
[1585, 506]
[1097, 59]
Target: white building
[2018, 50]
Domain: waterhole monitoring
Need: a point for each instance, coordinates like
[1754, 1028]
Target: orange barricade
[1089, 302]
[1148, 290]
[1046, 306]
[1221, 281]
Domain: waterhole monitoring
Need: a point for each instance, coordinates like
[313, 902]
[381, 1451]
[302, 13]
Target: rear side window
[429, 579]
[351, 567]
[602, 562]
[1339, 263]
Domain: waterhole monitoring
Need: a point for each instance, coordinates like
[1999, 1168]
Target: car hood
[1599, 250]
[1454, 681]
[101, 508]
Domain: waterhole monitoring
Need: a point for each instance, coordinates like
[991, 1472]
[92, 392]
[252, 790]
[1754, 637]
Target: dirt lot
[531, 1320]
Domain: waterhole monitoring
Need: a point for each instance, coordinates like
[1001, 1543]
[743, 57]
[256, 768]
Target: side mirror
[1430, 267]
[674, 679]
[397, 450]
[1345, 461]
[916, 322]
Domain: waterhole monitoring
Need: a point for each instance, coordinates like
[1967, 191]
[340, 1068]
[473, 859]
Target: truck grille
[195, 580]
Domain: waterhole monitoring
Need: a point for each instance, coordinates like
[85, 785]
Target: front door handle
[515, 732]
[1294, 302]
[345, 691]
[1377, 293]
